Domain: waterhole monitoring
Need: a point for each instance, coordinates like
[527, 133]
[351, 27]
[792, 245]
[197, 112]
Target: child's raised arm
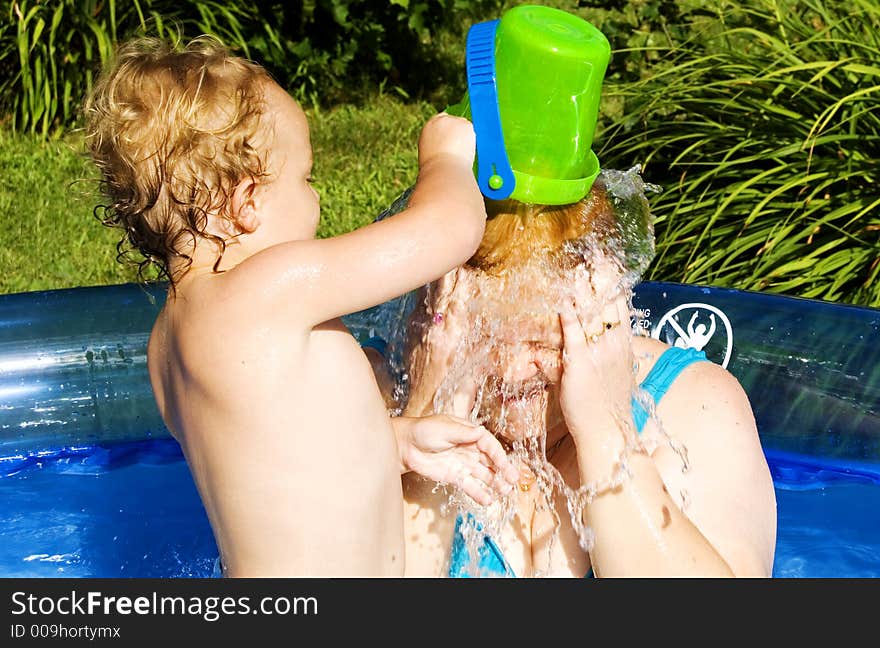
[439, 230]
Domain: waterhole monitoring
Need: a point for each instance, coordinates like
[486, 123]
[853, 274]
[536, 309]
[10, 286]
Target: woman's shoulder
[647, 351]
[704, 376]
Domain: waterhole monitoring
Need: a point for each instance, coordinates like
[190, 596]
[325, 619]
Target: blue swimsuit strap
[664, 372]
[491, 559]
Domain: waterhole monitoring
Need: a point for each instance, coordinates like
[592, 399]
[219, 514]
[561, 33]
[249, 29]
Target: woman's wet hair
[566, 236]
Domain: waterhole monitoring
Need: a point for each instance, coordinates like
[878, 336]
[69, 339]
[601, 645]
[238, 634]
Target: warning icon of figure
[705, 323]
[696, 337]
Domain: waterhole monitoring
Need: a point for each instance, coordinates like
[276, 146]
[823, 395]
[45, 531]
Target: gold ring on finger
[606, 326]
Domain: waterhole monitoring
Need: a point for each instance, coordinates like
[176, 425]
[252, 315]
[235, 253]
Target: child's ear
[243, 207]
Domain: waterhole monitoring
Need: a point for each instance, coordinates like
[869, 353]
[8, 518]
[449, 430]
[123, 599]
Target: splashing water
[511, 319]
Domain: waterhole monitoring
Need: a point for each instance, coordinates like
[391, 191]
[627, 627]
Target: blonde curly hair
[172, 130]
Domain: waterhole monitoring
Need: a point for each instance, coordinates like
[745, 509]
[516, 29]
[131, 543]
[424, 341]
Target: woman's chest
[532, 536]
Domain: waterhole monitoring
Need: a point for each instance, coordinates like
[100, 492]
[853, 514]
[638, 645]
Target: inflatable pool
[91, 484]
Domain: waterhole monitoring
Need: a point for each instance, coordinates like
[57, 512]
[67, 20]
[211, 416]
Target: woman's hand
[437, 336]
[455, 451]
[597, 380]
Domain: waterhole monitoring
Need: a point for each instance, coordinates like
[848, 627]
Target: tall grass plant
[764, 130]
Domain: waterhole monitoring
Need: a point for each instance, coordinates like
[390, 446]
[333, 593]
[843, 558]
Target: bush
[323, 51]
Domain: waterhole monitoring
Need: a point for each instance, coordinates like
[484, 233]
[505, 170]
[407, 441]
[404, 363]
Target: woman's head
[531, 259]
[534, 256]
[612, 220]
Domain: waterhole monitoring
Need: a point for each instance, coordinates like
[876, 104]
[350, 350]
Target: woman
[532, 338]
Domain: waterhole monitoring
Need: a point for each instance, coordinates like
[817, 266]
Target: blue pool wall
[73, 365]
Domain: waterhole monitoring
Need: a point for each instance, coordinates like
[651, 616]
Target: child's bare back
[256, 409]
[274, 403]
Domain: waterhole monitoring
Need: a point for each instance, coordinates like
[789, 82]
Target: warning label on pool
[697, 326]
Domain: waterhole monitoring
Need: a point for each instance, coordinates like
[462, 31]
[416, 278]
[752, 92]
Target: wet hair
[172, 130]
[566, 236]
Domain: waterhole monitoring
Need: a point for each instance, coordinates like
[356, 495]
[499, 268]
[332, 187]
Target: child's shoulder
[228, 301]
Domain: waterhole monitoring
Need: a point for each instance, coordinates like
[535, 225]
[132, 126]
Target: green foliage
[638, 30]
[50, 52]
[759, 118]
[323, 51]
[47, 51]
[333, 51]
[764, 129]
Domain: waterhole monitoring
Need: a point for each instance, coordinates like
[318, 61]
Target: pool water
[128, 510]
[131, 510]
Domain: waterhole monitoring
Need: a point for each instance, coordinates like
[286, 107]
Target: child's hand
[455, 451]
[447, 134]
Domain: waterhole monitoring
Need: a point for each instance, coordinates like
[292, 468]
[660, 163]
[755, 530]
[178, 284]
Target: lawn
[364, 158]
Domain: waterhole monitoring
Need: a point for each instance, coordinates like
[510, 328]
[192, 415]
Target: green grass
[49, 237]
[364, 158]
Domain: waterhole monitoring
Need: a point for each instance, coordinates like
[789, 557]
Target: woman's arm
[726, 524]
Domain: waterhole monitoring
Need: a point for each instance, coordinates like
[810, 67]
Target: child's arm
[440, 229]
[381, 371]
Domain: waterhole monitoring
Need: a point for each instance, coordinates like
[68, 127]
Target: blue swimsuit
[656, 383]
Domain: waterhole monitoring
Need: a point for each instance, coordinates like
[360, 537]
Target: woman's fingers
[465, 396]
[578, 333]
[573, 338]
[449, 291]
[623, 313]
